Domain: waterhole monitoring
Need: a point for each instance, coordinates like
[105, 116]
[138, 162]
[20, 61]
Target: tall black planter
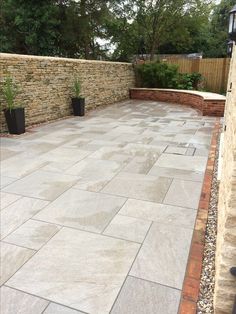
[15, 120]
[78, 105]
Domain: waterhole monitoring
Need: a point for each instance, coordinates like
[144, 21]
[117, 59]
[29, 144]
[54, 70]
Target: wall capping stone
[28, 57]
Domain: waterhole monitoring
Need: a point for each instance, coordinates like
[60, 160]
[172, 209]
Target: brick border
[191, 285]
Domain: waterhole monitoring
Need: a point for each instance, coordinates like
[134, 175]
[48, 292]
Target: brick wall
[225, 288]
[46, 84]
[208, 107]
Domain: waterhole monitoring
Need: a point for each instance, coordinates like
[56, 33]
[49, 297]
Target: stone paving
[97, 212]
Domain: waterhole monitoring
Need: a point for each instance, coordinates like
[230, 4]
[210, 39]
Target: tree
[28, 27]
[218, 29]
[165, 21]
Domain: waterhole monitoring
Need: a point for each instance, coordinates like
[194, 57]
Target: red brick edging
[191, 286]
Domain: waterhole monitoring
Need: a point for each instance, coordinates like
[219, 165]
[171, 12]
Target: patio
[97, 213]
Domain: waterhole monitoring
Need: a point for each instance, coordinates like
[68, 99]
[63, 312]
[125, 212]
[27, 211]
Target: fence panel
[214, 70]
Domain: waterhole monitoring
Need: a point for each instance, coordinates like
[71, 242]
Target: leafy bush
[189, 81]
[157, 74]
[163, 75]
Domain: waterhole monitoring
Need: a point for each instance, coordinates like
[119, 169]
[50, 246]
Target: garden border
[191, 285]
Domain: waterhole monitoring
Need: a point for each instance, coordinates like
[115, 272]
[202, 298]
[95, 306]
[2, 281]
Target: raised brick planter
[209, 104]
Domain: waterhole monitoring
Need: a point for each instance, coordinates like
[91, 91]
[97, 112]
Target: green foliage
[157, 74]
[163, 75]
[10, 91]
[77, 87]
[189, 81]
[81, 28]
[29, 27]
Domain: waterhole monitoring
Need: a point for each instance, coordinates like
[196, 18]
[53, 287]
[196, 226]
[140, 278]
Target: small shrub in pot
[14, 113]
[77, 102]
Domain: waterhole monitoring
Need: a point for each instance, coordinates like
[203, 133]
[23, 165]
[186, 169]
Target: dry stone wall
[225, 289]
[46, 84]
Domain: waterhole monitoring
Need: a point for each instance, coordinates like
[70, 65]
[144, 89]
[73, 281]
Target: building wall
[45, 84]
[225, 289]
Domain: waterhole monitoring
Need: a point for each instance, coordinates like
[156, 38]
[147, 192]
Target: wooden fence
[215, 71]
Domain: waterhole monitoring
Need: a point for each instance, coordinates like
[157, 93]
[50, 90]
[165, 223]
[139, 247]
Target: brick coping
[204, 95]
[191, 285]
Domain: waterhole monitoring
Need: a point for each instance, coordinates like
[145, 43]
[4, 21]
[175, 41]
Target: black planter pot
[78, 105]
[15, 120]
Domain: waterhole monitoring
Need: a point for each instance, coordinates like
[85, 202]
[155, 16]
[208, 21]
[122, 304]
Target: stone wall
[225, 289]
[209, 104]
[46, 84]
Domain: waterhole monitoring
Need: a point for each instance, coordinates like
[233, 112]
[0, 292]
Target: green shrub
[164, 75]
[189, 81]
[157, 74]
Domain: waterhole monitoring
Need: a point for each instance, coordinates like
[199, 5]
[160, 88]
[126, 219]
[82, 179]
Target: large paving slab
[42, 184]
[97, 212]
[138, 186]
[14, 301]
[142, 297]
[12, 258]
[19, 212]
[163, 256]
[82, 209]
[81, 270]
[162, 213]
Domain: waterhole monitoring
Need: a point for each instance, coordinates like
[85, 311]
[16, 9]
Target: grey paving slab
[138, 186]
[166, 214]
[176, 150]
[32, 234]
[140, 164]
[20, 166]
[6, 199]
[142, 297]
[42, 184]
[12, 258]
[6, 153]
[6, 181]
[181, 174]
[65, 154]
[192, 163]
[19, 212]
[94, 174]
[82, 209]
[78, 269]
[163, 256]
[128, 228]
[184, 193]
[17, 302]
[54, 308]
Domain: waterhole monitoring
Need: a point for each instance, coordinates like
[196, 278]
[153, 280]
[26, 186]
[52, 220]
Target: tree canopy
[115, 29]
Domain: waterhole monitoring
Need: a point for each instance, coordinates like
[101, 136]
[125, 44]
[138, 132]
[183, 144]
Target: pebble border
[191, 285]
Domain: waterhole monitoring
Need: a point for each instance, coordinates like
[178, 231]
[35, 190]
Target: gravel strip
[207, 283]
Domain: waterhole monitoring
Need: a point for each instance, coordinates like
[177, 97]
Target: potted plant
[14, 113]
[78, 102]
